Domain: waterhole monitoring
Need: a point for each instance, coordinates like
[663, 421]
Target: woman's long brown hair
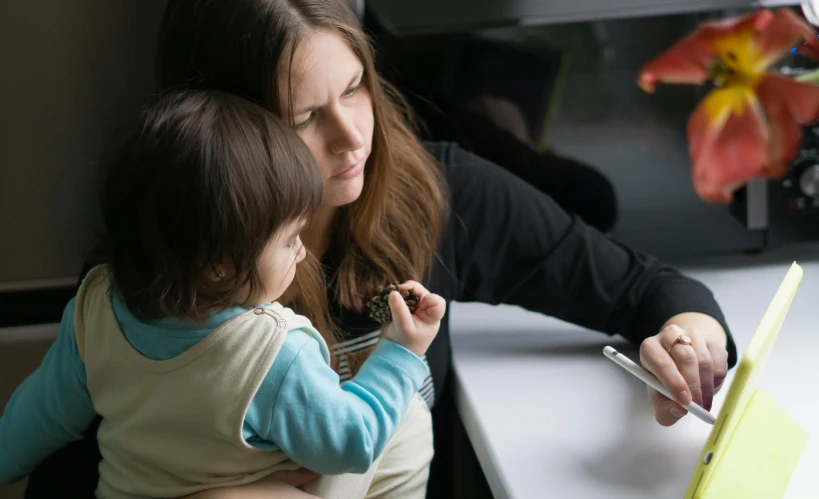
[391, 232]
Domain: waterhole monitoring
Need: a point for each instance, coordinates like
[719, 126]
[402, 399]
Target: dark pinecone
[379, 305]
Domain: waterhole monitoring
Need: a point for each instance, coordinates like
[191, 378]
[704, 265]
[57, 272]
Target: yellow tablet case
[754, 446]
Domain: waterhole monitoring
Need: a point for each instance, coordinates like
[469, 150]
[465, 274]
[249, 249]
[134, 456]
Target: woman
[395, 209]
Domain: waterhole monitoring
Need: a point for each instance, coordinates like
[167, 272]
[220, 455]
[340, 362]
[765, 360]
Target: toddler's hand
[415, 331]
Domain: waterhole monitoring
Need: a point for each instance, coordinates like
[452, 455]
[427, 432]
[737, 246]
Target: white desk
[549, 416]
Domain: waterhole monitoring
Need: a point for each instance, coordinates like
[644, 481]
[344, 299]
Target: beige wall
[71, 72]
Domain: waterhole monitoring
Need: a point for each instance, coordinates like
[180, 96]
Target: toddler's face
[277, 264]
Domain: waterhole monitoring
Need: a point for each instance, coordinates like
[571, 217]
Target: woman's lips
[351, 172]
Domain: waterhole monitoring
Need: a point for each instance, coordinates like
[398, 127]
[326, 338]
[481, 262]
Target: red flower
[749, 125]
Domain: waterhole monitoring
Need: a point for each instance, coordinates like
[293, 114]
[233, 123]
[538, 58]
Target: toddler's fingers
[431, 308]
[401, 314]
[417, 289]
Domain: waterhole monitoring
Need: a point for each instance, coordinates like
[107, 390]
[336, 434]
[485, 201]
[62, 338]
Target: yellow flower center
[735, 99]
[739, 62]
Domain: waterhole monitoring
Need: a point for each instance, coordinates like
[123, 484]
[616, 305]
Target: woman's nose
[347, 136]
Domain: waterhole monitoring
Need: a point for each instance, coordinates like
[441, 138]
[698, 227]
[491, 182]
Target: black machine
[785, 210]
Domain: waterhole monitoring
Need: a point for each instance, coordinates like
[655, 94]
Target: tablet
[764, 424]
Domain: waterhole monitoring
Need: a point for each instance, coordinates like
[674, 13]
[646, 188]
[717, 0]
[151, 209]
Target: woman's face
[333, 112]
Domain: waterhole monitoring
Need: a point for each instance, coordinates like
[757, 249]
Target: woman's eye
[303, 124]
[351, 91]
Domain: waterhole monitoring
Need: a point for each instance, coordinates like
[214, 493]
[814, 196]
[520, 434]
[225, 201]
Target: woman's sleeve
[515, 245]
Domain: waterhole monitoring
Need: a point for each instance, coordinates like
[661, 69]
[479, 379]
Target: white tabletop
[549, 416]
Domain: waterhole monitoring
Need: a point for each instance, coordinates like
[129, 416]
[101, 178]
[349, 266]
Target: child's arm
[330, 428]
[48, 410]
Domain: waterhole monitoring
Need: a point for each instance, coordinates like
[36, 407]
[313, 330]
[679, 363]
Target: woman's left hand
[692, 371]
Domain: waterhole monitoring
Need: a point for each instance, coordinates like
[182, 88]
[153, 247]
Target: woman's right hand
[415, 331]
[279, 485]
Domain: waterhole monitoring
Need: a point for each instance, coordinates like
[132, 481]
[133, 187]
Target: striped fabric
[366, 342]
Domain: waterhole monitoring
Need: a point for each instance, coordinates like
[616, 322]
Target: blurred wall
[71, 72]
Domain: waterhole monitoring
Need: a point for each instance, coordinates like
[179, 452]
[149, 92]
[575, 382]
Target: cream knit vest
[174, 427]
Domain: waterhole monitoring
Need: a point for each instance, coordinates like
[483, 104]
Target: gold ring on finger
[681, 340]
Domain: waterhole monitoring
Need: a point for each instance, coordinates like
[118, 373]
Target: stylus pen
[653, 382]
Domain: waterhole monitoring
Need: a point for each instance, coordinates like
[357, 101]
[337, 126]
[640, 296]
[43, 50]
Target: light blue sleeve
[50, 409]
[330, 428]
